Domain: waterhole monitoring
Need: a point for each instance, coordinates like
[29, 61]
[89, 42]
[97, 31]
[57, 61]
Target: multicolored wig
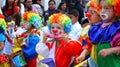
[2, 28]
[33, 19]
[2, 22]
[93, 3]
[63, 19]
[115, 4]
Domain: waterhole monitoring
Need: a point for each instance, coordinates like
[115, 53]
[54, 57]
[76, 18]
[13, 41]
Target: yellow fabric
[84, 33]
[5, 65]
[80, 64]
[93, 52]
[17, 45]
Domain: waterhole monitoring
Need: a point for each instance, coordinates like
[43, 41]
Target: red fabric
[64, 53]
[32, 63]
[9, 39]
[9, 12]
[3, 58]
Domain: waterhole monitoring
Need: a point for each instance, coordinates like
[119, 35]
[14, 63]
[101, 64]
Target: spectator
[63, 7]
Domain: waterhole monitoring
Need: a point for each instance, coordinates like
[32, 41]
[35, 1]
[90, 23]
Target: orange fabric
[88, 46]
[3, 58]
[80, 39]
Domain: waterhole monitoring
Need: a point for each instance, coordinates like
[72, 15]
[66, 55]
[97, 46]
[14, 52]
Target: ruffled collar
[100, 35]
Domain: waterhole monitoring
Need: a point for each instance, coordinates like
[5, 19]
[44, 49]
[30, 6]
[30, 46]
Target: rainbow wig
[2, 22]
[33, 19]
[92, 3]
[63, 19]
[2, 28]
[115, 4]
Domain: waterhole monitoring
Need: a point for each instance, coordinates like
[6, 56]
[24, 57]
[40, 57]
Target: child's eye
[58, 27]
[52, 27]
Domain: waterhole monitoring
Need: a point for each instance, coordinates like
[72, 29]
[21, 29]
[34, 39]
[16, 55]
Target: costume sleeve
[88, 45]
[115, 42]
[73, 48]
[42, 49]
[29, 50]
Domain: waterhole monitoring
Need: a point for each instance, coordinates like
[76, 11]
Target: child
[93, 18]
[104, 32]
[60, 48]
[84, 22]
[33, 23]
[4, 59]
[74, 15]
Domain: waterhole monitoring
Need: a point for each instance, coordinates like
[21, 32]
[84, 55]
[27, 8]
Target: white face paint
[104, 16]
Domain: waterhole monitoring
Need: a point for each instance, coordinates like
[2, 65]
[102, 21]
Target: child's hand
[80, 58]
[105, 52]
[45, 36]
[65, 37]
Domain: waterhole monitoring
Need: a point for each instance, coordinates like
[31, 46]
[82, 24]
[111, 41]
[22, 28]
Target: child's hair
[17, 18]
[74, 12]
[34, 19]
[84, 20]
[2, 28]
[2, 22]
[51, 1]
[93, 4]
[115, 4]
[63, 19]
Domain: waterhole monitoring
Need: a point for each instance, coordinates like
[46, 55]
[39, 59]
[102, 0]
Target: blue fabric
[19, 61]
[100, 35]
[2, 37]
[1, 30]
[29, 50]
[84, 42]
[49, 62]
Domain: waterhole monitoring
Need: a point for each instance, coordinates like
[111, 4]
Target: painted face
[92, 15]
[26, 25]
[57, 29]
[106, 11]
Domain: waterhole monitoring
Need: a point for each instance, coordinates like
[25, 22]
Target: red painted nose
[54, 31]
[88, 15]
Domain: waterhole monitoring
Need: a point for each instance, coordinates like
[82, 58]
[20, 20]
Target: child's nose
[55, 31]
[88, 15]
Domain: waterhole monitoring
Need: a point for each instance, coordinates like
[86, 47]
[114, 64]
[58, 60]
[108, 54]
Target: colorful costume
[26, 42]
[103, 37]
[63, 53]
[4, 59]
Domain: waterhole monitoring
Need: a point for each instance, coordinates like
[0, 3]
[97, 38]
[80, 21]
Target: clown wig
[62, 19]
[33, 19]
[93, 4]
[115, 4]
[2, 22]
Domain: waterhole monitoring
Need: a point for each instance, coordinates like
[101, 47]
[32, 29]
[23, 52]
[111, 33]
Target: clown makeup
[107, 12]
[93, 16]
[57, 29]
[104, 16]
